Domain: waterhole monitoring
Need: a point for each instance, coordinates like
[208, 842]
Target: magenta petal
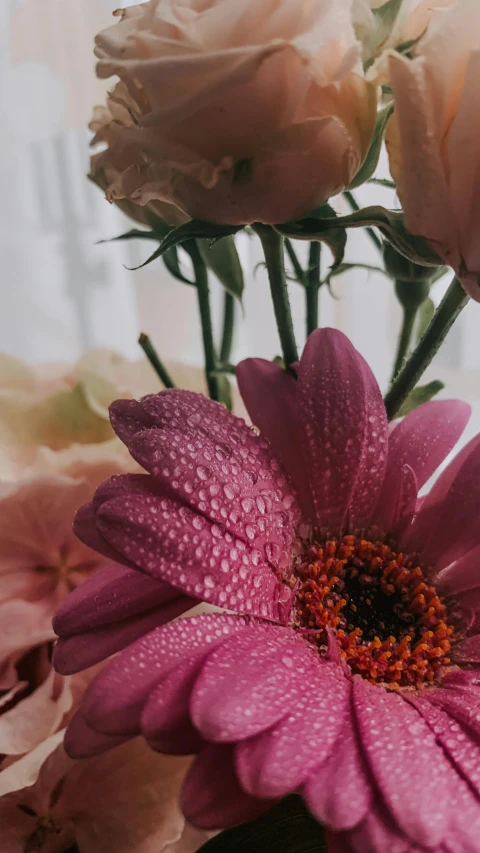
[377, 834]
[461, 704]
[468, 651]
[176, 545]
[445, 527]
[278, 761]
[127, 417]
[339, 792]
[111, 595]
[79, 651]
[165, 719]
[422, 440]
[81, 741]
[211, 797]
[408, 765]
[85, 527]
[397, 507]
[249, 683]
[344, 427]
[236, 484]
[270, 395]
[464, 751]
[115, 699]
[463, 575]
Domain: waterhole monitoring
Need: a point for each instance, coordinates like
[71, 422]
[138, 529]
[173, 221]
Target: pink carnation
[348, 666]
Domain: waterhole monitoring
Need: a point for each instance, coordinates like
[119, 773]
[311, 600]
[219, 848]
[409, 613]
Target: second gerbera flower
[348, 667]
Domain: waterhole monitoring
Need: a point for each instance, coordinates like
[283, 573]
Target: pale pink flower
[123, 802]
[348, 666]
[236, 111]
[432, 138]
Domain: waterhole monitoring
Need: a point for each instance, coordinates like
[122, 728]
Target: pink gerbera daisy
[347, 665]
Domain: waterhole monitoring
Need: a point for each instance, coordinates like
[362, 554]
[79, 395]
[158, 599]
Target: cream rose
[118, 154]
[240, 111]
[433, 140]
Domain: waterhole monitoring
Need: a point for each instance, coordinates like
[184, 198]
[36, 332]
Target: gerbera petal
[338, 792]
[461, 704]
[241, 487]
[378, 834]
[211, 797]
[446, 528]
[113, 594]
[397, 507]
[344, 426]
[115, 699]
[85, 527]
[176, 545]
[81, 741]
[270, 395]
[422, 440]
[468, 651]
[462, 575]
[165, 719]
[409, 767]
[79, 651]
[249, 683]
[127, 417]
[279, 760]
[464, 751]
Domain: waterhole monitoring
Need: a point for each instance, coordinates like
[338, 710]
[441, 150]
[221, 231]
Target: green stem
[154, 360]
[313, 285]
[353, 204]
[452, 304]
[297, 267]
[272, 244]
[228, 327]
[201, 283]
[409, 316]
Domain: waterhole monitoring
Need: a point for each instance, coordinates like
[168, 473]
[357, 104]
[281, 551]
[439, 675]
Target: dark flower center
[389, 622]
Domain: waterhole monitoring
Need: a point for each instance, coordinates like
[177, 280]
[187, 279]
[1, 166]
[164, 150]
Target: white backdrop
[61, 293]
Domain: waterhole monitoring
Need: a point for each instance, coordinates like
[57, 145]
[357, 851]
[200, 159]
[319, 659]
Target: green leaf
[323, 228]
[369, 165]
[195, 229]
[170, 259]
[420, 395]
[287, 828]
[386, 15]
[222, 258]
[425, 317]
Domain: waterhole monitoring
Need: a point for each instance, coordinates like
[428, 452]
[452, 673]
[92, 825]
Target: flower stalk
[313, 285]
[203, 295]
[272, 244]
[452, 304]
[155, 360]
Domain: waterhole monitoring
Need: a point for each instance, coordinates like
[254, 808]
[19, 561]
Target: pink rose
[433, 139]
[239, 111]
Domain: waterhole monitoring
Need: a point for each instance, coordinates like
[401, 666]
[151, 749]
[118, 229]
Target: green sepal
[170, 259]
[287, 828]
[425, 317]
[421, 394]
[221, 257]
[320, 224]
[136, 234]
[389, 222]
[195, 229]
[387, 15]
[369, 165]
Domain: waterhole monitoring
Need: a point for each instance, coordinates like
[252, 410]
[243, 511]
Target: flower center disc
[389, 623]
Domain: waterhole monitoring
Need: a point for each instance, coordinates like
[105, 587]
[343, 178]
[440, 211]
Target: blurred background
[63, 293]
